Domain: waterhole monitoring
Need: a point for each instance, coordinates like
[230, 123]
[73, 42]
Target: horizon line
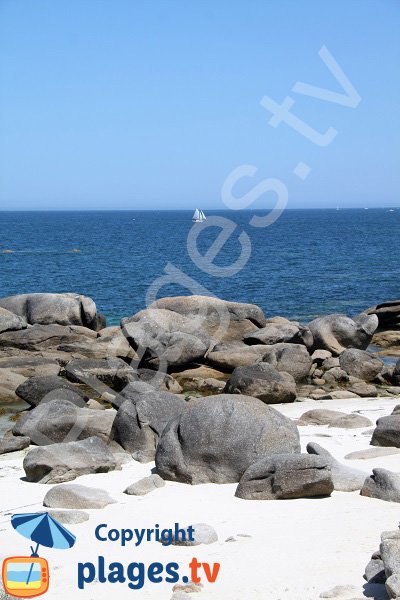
[55, 210]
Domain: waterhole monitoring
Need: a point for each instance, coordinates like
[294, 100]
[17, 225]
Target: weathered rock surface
[345, 479]
[145, 486]
[9, 382]
[222, 320]
[274, 333]
[43, 389]
[262, 381]
[372, 453]
[141, 420]
[333, 418]
[164, 338]
[50, 309]
[69, 517]
[43, 337]
[351, 421]
[396, 374]
[63, 462]
[113, 372]
[364, 390]
[35, 366]
[10, 321]
[217, 438]
[60, 421]
[382, 484]
[360, 364]
[290, 358]
[13, 444]
[228, 357]
[387, 431]
[286, 476]
[72, 495]
[337, 332]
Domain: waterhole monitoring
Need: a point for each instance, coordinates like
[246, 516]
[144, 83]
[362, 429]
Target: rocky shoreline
[197, 386]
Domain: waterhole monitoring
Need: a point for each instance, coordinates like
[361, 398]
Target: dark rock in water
[217, 438]
[275, 333]
[72, 495]
[387, 431]
[63, 462]
[113, 372]
[222, 320]
[229, 356]
[164, 338]
[141, 420]
[291, 358]
[43, 389]
[285, 476]
[35, 366]
[145, 486]
[388, 314]
[262, 381]
[337, 332]
[345, 479]
[60, 421]
[13, 444]
[360, 364]
[41, 337]
[382, 484]
[53, 309]
[10, 322]
[396, 374]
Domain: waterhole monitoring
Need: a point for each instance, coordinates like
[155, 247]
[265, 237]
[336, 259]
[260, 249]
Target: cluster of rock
[187, 382]
[384, 566]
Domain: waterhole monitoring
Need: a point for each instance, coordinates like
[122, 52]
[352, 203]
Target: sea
[305, 264]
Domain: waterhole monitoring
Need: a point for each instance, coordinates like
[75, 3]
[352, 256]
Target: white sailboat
[198, 216]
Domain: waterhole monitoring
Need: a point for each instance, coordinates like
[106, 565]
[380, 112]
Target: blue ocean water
[308, 263]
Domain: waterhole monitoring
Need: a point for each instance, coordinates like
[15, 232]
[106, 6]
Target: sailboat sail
[198, 216]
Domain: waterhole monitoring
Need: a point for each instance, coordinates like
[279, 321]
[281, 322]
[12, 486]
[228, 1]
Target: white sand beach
[284, 549]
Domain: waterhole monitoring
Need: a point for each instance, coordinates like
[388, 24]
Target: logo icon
[28, 576]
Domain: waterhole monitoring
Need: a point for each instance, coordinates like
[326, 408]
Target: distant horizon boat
[198, 216]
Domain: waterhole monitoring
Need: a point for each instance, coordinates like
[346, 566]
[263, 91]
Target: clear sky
[128, 104]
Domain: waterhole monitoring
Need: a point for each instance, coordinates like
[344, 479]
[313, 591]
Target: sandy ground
[296, 549]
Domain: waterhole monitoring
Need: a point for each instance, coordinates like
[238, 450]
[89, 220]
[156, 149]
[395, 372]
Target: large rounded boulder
[141, 420]
[163, 338]
[291, 358]
[10, 322]
[59, 421]
[217, 438]
[360, 364]
[262, 381]
[222, 320]
[337, 332]
[54, 309]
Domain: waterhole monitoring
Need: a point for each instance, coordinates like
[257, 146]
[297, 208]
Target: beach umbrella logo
[28, 576]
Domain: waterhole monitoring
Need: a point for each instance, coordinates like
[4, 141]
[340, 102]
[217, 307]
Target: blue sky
[127, 104]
